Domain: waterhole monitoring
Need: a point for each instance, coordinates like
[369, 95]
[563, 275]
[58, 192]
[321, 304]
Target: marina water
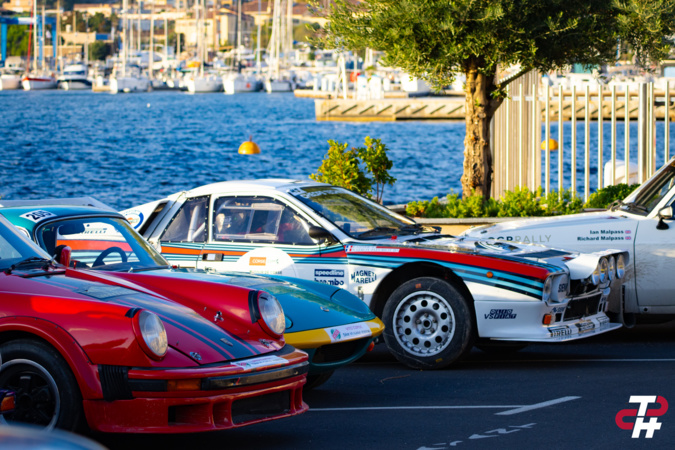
[131, 149]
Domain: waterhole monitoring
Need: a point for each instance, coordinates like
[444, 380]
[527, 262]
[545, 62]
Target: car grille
[338, 352]
[582, 307]
[261, 407]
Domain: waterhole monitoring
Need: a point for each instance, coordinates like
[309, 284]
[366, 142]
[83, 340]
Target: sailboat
[11, 74]
[38, 78]
[127, 77]
[236, 82]
[276, 80]
[200, 82]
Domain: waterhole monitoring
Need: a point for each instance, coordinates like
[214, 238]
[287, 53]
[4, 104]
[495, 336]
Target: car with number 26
[436, 294]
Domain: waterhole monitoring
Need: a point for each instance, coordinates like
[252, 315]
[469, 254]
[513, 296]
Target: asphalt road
[545, 396]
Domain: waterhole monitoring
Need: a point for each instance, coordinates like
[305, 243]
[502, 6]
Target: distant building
[107, 9]
[18, 5]
[220, 29]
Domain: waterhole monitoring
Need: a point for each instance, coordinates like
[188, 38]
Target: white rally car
[641, 225]
[437, 295]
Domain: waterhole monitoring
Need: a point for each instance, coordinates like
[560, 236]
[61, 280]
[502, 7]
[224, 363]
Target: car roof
[14, 214]
[268, 184]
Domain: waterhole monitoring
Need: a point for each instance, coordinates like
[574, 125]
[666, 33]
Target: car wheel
[47, 393]
[314, 381]
[428, 324]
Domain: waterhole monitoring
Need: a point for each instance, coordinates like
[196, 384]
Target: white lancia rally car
[438, 295]
[642, 225]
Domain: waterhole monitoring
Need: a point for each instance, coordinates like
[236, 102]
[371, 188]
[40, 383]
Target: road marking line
[381, 408]
[536, 406]
[574, 360]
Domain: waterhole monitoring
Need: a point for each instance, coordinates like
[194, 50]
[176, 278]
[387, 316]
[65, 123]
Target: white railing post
[666, 127]
[600, 143]
[573, 174]
[547, 137]
[642, 132]
[587, 142]
[613, 156]
[626, 134]
[561, 167]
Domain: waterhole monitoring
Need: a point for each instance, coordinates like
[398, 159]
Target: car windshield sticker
[135, 218]
[38, 215]
[370, 249]
[256, 363]
[348, 332]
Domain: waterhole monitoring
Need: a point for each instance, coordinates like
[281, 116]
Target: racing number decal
[37, 215]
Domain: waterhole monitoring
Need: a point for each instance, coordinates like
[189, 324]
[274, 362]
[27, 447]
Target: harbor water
[131, 149]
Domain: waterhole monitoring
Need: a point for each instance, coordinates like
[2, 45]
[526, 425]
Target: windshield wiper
[147, 268]
[631, 205]
[379, 231]
[46, 263]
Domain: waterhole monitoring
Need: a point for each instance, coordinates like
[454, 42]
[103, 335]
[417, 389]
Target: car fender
[80, 364]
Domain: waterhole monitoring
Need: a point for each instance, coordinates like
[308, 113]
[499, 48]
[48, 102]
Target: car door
[654, 262]
[184, 237]
[263, 234]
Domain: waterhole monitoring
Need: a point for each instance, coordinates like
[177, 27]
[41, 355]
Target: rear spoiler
[77, 201]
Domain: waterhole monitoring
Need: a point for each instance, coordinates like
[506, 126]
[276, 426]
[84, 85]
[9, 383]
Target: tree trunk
[480, 109]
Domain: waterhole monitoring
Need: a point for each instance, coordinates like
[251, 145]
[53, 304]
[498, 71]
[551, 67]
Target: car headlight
[604, 269]
[620, 266]
[611, 267]
[546, 293]
[595, 276]
[267, 311]
[151, 334]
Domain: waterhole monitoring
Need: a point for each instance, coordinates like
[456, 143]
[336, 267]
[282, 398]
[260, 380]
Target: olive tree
[436, 39]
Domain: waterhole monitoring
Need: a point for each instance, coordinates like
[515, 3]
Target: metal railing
[560, 139]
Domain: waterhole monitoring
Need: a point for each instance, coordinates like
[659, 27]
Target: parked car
[333, 326]
[15, 437]
[641, 225]
[80, 346]
[436, 294]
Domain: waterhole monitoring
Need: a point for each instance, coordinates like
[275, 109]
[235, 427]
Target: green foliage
[374, 156]
[17, 40]
[99, 50]
[340, 167]
[608, 195]
[518, 203]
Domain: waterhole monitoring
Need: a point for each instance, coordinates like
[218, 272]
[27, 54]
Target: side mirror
[62, 255]
[320, 234]
[664, 213]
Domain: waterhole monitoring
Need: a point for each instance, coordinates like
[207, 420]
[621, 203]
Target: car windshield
[101, 243]
[16, 249]
[650, 194]
[355, 215]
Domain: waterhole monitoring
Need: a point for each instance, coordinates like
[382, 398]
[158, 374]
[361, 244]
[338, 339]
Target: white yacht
[129, 79]
[10, 79]
[203, 83]
[235, 83]
[74, 78]
[38, 80]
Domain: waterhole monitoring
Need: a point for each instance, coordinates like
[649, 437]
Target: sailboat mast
[125, 40]
[151, 54]
[35, 35]
[257, 57]
[238, 49]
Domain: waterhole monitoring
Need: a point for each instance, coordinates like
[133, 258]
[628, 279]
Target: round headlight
[153, 334]
[620, 266]
[595, 276]
[611, 267]
[546, 293]
[271, 313]
[604, 269]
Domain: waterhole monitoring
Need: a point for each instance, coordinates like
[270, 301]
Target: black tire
[497, 348]
[314, 381]
[47, 393]
[428, 324]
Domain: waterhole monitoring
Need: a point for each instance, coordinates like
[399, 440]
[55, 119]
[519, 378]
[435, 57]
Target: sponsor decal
[256, 363]
[363, 276]
[369, 249]
[257, 261]
[500, 314]
[560, 331]
[332, 282]
[562, 287]
[585, 327]
[329, 273]
[135, 218]
[531, 239]
[641, 414]
[37, 215]
[558, 309]
[348, 332]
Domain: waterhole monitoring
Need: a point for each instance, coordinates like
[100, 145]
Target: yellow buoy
[552, 145]
[249, 148]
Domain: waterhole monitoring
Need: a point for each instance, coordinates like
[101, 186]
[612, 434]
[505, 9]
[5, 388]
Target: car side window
[258, 219]
[189, 223]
